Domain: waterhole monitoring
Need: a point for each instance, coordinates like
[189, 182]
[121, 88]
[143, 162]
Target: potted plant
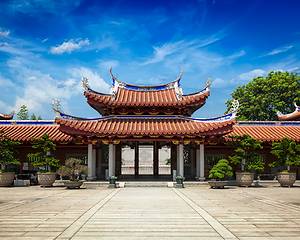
[246, 155]
[44, 159]
[218, 172]
[287, 152]
[73, 169]
[7, 152]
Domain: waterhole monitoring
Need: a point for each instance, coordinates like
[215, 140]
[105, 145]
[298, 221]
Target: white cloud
[95, 81]
[33, 78]
[69, 46]
[45, 40]
[218, 83]
[248, 76]
[105, 65]
[276, 51]
[5, 82]
[5, 33]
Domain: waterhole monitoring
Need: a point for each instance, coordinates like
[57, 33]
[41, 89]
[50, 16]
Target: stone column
[197, 163]
[90, 162]
[201, 178]
[110, 159]
[94, 162]
[180, 161]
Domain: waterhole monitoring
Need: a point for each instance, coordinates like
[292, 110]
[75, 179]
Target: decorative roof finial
[208, 82]
[85, 84]
[56, 107]
[234, 106]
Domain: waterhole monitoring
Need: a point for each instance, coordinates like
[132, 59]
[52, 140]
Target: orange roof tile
[268, 133]
[143, 126]
[23, 132]
[132, 98]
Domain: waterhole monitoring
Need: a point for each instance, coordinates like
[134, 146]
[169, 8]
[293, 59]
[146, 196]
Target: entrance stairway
[146, 184]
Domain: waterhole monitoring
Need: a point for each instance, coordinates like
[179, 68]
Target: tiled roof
[6, 117]
[144, 126]
[132, 98]
[23, 130]
[268, 132]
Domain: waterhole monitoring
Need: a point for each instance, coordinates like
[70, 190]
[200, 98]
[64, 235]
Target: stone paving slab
[253, 213]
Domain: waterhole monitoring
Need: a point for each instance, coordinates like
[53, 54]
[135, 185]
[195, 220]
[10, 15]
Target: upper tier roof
[291, 116]
[125, 96]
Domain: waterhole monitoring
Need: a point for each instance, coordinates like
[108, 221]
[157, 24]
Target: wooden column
[136, 159]
[155, 158]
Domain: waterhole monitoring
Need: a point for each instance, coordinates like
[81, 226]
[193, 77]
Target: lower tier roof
[143, 127]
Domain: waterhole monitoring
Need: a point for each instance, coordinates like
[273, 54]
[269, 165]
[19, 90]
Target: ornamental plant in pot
[7, 152]
[246, 155]
[73, 169]
[44, 160]
[218, 172]
[287, 152]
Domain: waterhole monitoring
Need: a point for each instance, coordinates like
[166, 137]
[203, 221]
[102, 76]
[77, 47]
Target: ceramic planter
[217, 184]
[286, 179]
[244, 179]
[6, 178]
[73, 184]
[46, 179]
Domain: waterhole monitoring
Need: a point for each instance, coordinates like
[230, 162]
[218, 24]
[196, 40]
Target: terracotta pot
[244, 178]
[217, 184]
[46, 179]
[6, 178]
[73, 184]
[286, 178]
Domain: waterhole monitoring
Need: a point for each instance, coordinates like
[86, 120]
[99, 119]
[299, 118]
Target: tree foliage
[43, 158]
[7, 150]
[261, 98]
[23, 113]
[287, 152]
[220, 170]
[245, 149]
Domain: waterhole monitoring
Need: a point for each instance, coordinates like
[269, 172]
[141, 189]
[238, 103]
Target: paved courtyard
[154, 212]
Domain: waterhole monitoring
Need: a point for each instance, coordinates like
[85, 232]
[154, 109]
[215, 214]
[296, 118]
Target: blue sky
[47, 45]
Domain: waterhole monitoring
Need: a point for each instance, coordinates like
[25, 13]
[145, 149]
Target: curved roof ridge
[123, 84]
[289, 116]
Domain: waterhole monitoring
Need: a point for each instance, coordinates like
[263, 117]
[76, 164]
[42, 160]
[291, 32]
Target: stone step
[147, 184]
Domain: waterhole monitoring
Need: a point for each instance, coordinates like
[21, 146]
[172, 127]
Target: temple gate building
[134, 117]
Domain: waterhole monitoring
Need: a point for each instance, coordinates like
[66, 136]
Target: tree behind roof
[261, 98]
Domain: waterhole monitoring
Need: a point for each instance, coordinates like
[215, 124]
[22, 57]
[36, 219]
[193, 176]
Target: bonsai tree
[73, 168]
[43, 158]
[220, 170]
[287, 152]
[7, 151]
[245, 152]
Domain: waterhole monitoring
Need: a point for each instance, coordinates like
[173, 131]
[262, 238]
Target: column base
[201, 178]
[91, 178]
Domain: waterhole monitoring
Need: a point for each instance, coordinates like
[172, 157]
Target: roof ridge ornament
[280, 114]
[208, 82]
[56, 107]
[85, 84]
